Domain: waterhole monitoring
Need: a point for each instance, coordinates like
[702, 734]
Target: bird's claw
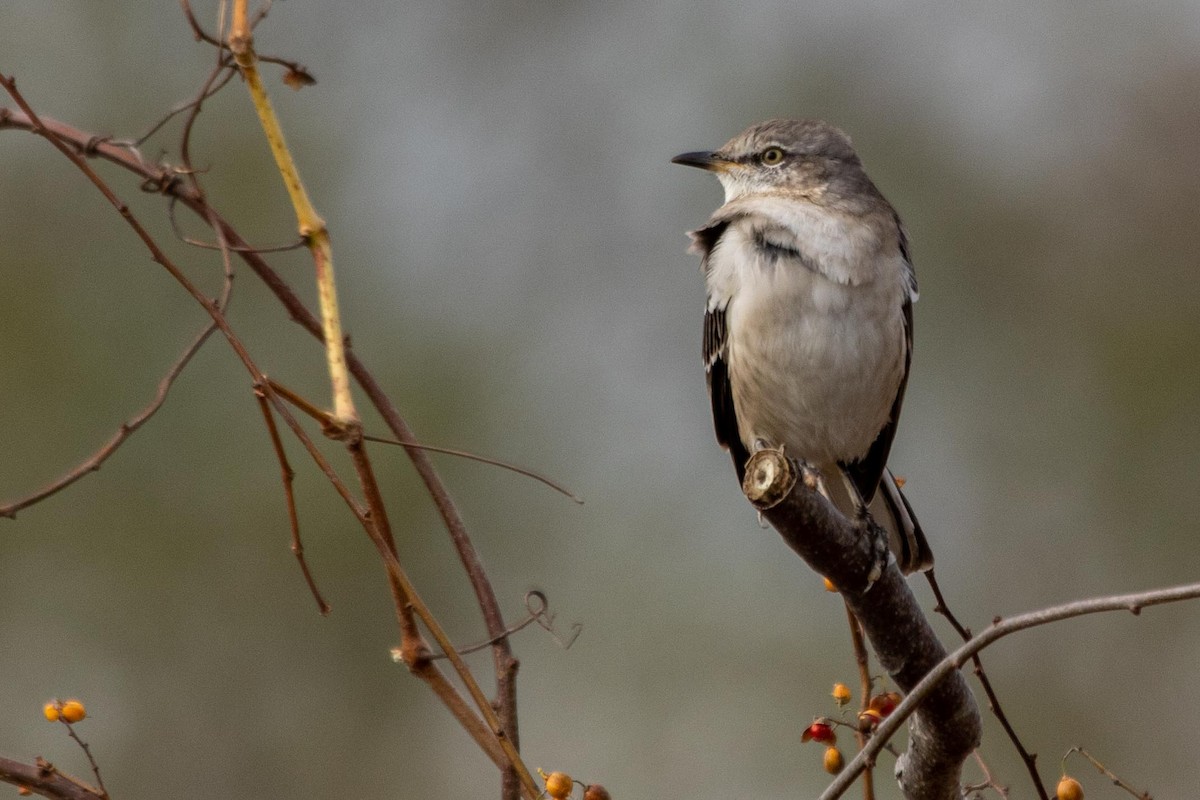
[880, 550]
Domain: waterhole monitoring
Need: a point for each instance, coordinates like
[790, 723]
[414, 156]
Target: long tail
[891, 510]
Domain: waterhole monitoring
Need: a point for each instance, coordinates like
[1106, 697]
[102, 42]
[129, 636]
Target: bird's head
[808, 158]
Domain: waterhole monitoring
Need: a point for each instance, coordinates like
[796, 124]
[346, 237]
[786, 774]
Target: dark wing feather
[720, 391]
[867, 471]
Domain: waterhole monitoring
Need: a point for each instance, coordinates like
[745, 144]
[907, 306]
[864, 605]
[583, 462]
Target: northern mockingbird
[808, 326]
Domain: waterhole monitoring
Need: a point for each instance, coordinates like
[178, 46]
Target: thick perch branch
[946, 727]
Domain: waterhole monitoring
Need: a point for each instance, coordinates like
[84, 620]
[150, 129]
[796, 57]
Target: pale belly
[815, 365]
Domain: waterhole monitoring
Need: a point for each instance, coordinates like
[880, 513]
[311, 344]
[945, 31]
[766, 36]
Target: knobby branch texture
[44, 778]
[946, 726]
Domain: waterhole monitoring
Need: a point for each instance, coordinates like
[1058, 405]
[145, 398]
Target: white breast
[816, 345]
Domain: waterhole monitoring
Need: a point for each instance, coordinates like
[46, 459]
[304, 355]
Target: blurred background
[509, 237]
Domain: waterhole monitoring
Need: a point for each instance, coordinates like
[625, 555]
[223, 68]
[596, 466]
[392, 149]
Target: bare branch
[45, 779]
[946, 727]
[494, 462]
[1133, 603]
[1106, 772]
[1029, 759]
[129, 427]
[159, 179]
[862, 660]
[87, 751]
[287, 476]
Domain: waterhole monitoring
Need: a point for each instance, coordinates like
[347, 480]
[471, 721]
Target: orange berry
[829, 587]
[559, 785]
[73, 711]
[24, 790]
[899, 481]
[1069, 789]
[869, 719]
[841, 693]
[51, 711]
[819, 732]
[833, 760]
[596, 792]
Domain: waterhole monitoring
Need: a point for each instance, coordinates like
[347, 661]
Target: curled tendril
[539, 611]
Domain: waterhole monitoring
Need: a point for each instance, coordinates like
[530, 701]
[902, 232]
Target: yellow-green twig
[309, 222]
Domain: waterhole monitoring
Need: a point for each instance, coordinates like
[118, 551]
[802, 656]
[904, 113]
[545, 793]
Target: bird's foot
[810, 476]
[881, 552]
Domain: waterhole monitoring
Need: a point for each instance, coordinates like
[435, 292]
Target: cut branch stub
[770, 476]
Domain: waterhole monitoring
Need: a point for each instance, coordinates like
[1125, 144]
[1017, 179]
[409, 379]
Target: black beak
[703, 159]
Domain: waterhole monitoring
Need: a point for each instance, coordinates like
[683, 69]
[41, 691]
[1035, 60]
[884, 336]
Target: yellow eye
[772, 156]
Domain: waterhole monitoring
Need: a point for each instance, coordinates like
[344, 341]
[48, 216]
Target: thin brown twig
[539, 613]
[288, 475]
[495, 462]
[163, 181]
[862, 660]
[87, 751]
[185, 136]
[989, 782]
[129, 427]
[417, 654]
[1106, 772]
[207, 89]
[181, 236]
[204, 36]
[210, 88]
[381, 534]
[1027, 758]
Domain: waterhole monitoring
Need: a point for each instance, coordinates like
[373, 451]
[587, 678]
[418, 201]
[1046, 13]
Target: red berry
[819, 732]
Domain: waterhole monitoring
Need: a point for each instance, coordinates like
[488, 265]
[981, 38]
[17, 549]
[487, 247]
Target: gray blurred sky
[509, 236]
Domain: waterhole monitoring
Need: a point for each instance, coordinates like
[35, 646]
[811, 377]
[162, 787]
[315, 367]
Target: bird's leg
[881, 549]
